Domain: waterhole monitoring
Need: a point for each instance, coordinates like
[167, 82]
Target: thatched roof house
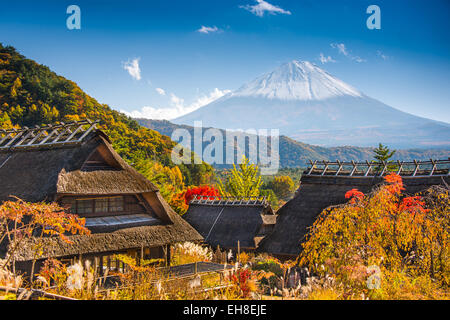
[325, 185]
[224, 222]
[75, 164]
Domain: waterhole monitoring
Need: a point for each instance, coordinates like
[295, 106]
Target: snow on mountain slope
[297, 80]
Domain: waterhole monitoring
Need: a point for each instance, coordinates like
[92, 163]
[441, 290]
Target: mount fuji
[308, 104]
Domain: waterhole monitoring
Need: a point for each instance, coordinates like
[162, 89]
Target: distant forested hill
[31, 94]
[296, 154]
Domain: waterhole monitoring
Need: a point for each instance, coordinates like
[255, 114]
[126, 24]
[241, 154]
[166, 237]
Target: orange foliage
[20, 221]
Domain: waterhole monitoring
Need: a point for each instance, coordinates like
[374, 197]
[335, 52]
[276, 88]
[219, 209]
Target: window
[84, 206]
[101, 205]
[97, 205]
[116, 204]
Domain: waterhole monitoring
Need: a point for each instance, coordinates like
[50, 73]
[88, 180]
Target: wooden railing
[59, 134]
[372, 169]
[229, 201]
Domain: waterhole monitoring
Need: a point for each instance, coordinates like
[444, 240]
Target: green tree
[243, 182]
[282, 186]
[271, 197]
[383, 153]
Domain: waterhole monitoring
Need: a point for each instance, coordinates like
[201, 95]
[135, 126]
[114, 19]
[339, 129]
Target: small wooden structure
[325, 183]
[225, 222]
[75, 165]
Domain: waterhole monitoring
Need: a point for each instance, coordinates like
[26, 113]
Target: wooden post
[100, 265]
[96, 265]
[239, 253]
[168, 255]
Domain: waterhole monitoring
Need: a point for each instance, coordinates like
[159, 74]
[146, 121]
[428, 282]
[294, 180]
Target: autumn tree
[168, 180]
[271, 197]
[282, 186]
[243, 182]
[204, 192]
[398, 234]
[5, 121]
[28, 224]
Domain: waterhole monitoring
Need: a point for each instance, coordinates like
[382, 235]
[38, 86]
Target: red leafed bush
[354, 195]
[244, 279]
[207, 192]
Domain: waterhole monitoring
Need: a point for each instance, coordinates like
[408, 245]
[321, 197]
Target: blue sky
[406, 64]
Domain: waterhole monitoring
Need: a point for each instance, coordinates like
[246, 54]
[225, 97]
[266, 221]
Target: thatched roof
[314, 195]
[224, 224]
[40, 174]
[123, 239]
[85, 165]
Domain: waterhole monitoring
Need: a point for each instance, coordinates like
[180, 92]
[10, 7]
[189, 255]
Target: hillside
[296, 154]
[31, 94]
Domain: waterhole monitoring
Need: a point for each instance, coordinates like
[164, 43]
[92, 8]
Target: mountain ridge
[308, 104]
[296, 154]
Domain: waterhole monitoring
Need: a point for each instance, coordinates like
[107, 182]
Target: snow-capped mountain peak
[297, 80]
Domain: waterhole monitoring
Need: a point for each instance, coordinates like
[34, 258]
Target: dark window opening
[97, 205]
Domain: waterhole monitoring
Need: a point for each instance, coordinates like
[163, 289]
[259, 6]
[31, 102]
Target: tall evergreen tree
[383, 153]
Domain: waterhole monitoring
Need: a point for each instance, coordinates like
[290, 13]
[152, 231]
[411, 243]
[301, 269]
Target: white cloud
[133, 68]
[358, 59]
[207, 30]
[324, 59]
[161, 91]
[342, 49]
[177, 108]
[262, 7]
[382, 55]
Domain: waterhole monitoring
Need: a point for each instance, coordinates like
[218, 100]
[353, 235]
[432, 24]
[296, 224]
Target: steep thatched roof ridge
[127, 180]
[39, 174]
[123, 239]
[314, 195]
[224, 225]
